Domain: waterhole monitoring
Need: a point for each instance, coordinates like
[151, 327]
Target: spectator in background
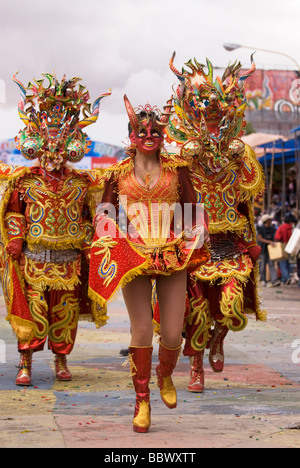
[291, 187]
[266, 236]
[283, 235]
[276, 211]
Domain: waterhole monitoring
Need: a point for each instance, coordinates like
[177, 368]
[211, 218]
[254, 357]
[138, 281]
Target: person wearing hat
[265, 237]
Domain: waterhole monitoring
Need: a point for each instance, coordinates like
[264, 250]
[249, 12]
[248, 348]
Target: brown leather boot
[61, 368]
[140, 359]
[168, 358]
[24, 375]
[196, 384]
[216, 354]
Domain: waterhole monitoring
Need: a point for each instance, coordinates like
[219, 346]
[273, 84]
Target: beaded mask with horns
[209, 114]
[51, 114]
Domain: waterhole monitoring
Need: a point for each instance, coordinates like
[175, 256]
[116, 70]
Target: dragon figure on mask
[206, 129]
[46, 222]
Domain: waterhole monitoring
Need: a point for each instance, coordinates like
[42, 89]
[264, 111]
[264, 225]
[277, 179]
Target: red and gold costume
[156, 238]
[47, 231]
[207, 125]
[151, 245]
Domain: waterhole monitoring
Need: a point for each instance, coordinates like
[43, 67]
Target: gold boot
[140, 359]
[168, 358]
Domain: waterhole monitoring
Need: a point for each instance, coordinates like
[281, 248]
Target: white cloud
[126, 45]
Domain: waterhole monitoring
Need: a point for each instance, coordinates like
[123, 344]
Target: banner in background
[267, 88]
[273, 95]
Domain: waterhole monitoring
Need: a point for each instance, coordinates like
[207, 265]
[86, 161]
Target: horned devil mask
[53, 131]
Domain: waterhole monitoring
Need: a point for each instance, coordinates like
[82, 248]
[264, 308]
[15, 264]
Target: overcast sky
[126, 45]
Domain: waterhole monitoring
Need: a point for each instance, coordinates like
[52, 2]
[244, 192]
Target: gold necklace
[147, 177]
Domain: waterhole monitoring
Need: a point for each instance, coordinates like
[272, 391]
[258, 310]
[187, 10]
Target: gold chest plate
[54, 219]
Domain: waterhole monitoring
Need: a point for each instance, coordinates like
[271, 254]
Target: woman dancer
[161, 242]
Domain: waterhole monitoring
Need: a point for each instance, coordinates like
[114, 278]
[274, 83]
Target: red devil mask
[146, 126]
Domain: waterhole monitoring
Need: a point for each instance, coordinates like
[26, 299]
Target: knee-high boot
[216, 353]
[140, 359]
[168, 358]
[196, 384]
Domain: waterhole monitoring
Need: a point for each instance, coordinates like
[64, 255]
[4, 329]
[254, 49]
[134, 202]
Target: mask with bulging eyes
[75, 150]
[51, 152]
[209, 118]
[53, 132]
[30, 147]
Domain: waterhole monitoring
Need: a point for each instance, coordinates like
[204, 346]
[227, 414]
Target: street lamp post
[230, 47]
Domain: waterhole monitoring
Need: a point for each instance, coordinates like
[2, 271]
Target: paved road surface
[255, 402]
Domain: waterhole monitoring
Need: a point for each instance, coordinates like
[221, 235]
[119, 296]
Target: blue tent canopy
[294, 130]
[282, 149]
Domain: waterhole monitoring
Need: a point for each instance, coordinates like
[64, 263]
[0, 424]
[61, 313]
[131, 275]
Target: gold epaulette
[8, 172]
[174, 160]
[118, 168]
[252, 182]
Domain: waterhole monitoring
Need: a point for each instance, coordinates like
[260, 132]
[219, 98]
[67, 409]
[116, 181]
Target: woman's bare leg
[171, 294]
[137, 296]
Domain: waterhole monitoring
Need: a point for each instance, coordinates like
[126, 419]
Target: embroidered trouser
[222, 303]
[55, 313]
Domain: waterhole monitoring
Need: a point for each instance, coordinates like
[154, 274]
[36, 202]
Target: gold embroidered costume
[46, 223]
[207, 126]
[150, 226]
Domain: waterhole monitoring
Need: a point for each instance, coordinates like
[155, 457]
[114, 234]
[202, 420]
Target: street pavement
[254, 403]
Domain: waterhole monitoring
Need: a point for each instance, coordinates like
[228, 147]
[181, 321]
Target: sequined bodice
[148, 210]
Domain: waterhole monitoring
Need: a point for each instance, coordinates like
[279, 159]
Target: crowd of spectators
[270, 230]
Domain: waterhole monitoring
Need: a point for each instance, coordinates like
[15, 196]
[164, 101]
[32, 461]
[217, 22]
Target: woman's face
[149, 138]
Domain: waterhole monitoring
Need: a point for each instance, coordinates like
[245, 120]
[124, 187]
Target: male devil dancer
[46, 224]
[161, 241]
[207, 125]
